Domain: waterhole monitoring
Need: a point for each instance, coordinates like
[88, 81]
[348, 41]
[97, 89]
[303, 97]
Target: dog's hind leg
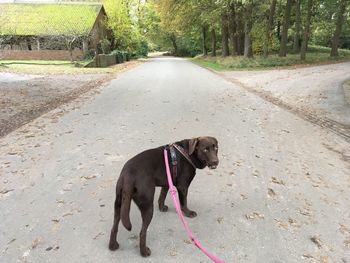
[146, 220]
[145, 204]
[113, 244]
[161, 199]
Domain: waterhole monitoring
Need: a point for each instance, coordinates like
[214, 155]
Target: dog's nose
[213, 164]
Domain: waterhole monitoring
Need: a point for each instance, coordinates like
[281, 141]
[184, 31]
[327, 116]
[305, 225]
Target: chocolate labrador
[142, 173]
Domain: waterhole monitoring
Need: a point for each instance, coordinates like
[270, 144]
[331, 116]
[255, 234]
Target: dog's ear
[192, 143]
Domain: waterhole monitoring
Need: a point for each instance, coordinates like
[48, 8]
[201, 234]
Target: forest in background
[244, 28]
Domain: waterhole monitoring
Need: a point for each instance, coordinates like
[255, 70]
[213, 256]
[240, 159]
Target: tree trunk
[278, 32]
[213, 42]
[239, 29]
[248, 51]
[296, 44]
[233, 29]
[306, 31]
[85, 46]
[224, 34]
[337, 32]
[29, 44]
[284, 39]
[204, 40]
[269, 27]
[173, 41]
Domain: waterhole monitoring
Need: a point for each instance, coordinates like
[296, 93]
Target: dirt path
[24, 97]
[313, 93]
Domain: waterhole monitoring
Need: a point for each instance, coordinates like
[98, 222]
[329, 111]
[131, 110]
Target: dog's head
[206, 150]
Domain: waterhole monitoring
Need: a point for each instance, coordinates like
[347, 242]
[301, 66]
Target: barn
[51, 30]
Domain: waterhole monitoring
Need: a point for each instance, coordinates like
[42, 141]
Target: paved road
[280, 194]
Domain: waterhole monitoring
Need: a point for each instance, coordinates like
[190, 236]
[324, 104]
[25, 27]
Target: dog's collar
[184, 153]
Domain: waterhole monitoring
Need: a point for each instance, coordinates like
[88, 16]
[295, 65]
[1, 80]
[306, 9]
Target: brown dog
[142, 173]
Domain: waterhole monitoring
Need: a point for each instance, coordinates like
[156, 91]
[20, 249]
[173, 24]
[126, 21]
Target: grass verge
[315, 55]
[48, 67]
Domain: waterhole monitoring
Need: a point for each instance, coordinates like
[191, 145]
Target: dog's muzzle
[213, 165]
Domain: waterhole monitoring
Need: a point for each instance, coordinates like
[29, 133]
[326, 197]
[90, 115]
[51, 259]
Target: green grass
[315, 55]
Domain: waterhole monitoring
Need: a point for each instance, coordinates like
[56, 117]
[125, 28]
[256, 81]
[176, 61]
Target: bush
[105, 46]
[187, 47]
[139, 49]
[121, 55]
[90, 54]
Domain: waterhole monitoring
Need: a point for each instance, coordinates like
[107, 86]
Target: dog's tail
[125, 207]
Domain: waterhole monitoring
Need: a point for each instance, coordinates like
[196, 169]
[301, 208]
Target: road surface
[280, 194]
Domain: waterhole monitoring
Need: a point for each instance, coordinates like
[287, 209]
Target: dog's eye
[206, 149]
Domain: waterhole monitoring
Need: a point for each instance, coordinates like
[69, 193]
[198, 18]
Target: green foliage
[316, 55]
[119, 22]
[140, 48]
[105, 46]
[89, 54]
[258, 36]
[187, 47]
[134, 24]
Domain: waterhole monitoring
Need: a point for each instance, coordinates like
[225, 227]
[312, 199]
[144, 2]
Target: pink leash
[179, 212]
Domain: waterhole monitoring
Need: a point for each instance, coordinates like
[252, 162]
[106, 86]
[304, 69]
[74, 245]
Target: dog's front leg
[161, 200]
[183, 201]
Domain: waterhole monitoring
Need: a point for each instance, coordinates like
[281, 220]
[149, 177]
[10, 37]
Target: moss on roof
[47, 19]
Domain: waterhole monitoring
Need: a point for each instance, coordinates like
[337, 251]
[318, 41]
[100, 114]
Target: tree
[306, 30]
[204, 40]
[224, 34]
[284, 39]
[240, 27]
[248, 23]
[296, 42]
[269, 27]
[338, 28]
[233, 28]
[119, 22]
[213, 42]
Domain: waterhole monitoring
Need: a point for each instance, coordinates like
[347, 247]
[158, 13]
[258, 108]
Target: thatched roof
[48, 19]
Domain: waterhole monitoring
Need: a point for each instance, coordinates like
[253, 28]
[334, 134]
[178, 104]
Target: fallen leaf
[219, 219]
[35, 242]
[5, 191]
[67, 214]
[271, 192]
[254, 216]
[324, 259]
[98, 235]
[88, 177]
[317, 241]
[277, 181]
[133, 237]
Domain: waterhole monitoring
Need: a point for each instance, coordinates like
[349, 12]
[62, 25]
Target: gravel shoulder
[346, 88]
[315, 93]
[24, 97]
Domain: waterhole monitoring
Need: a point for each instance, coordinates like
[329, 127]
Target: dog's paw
[163, 208]
[113, 246]
[190, 213]
[145, 252]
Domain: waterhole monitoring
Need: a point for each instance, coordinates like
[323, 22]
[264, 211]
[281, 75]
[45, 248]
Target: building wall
[40, 54]
[99, 30]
